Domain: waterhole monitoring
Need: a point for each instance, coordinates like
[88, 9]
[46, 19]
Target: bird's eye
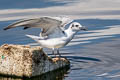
[77, 25]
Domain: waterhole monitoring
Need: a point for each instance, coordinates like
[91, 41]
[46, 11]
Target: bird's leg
[58, 53]
[53, 52]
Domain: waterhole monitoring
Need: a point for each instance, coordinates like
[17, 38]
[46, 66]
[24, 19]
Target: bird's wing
[47, 24]
[59, 31]
[64, 19]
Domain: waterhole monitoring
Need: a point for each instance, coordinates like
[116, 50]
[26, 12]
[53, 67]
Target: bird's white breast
[53, 43]
[58, 42]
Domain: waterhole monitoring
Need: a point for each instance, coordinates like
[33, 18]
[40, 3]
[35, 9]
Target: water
[54, 75]
[94, 54]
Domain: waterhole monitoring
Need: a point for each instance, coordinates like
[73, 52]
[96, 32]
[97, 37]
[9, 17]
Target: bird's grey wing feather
[64, 19]
[23, 23]
[48, 24]
[57, 33]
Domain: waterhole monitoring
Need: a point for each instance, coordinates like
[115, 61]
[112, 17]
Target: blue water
[94, 54]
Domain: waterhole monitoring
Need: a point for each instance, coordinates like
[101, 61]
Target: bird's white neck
[70, 32]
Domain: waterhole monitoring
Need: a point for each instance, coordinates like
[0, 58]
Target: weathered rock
[20, 60]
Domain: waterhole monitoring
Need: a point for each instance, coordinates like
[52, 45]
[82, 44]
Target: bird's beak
[84, 28]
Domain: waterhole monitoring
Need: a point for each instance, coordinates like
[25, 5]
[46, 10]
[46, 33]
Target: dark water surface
[94, 54]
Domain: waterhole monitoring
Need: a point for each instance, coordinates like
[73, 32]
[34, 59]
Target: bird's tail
[36, 38]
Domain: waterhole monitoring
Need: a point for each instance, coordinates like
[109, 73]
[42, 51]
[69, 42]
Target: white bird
[53, 34]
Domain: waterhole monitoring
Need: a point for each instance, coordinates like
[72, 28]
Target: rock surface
[20, 60]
